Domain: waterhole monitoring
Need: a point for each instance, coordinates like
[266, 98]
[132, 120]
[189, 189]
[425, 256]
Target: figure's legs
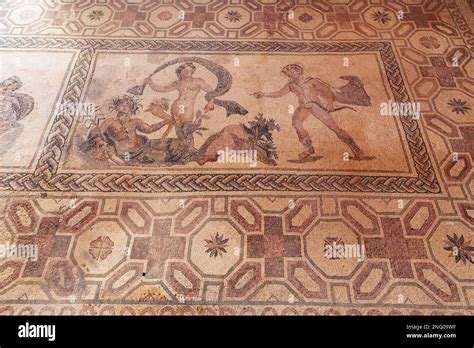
[345, 137]
[299, 116]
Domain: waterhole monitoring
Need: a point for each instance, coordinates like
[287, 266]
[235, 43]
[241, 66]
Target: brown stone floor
[197, 194]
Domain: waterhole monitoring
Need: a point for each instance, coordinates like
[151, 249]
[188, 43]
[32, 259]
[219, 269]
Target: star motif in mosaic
[459, 248]
[459, 106]
[96, 15]
[233, 16]
[381, 16]
[216, 245]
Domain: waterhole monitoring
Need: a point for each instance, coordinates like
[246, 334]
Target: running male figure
[309, 92]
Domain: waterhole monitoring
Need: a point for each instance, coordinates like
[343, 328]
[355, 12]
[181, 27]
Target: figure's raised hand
[209, 107]
[147, 81]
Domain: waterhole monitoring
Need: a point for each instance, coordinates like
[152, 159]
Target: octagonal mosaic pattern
[389, 233]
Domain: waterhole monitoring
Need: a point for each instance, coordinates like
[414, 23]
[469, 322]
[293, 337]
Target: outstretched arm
[171, 87]
[150, 128]
[281, 92]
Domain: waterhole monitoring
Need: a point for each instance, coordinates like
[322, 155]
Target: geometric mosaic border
[165, 249]
[46, 178]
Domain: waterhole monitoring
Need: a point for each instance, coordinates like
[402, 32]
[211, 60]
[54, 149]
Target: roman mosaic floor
[236, 157]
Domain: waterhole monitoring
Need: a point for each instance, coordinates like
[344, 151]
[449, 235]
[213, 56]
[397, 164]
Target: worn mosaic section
[230, 19]
[236, 250]
[342, 210]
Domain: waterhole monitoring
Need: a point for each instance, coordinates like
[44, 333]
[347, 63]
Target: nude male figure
[122, 130]
[309, 92]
